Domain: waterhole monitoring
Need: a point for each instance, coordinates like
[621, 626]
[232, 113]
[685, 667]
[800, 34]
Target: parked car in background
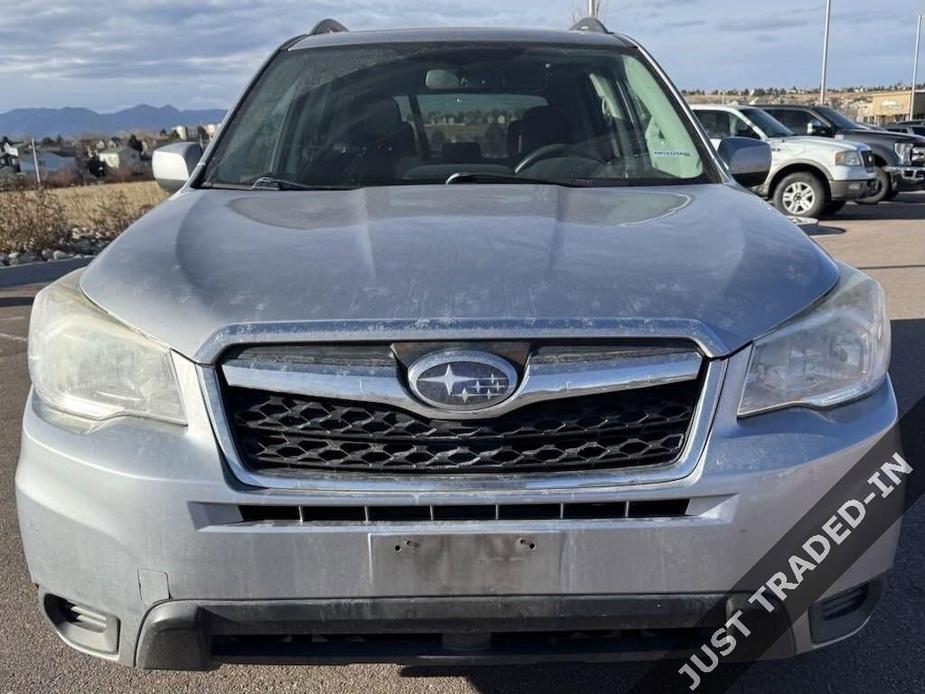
[900, 158]
[916, 127]
[456, 345]
[810, 176]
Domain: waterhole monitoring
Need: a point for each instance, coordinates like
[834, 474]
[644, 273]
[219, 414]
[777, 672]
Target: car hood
[881, 135]
[211, 268]
[820, 144]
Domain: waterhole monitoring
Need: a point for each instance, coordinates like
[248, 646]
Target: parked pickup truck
[810, 176]
[912, 127]
[900, 157]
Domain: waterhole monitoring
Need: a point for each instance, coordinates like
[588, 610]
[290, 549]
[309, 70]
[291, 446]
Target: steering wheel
[552, 152]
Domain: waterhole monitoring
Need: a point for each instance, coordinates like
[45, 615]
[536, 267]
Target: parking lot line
[15, 338]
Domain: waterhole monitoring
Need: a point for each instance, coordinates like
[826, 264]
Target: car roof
[462, 35]
[809, 107]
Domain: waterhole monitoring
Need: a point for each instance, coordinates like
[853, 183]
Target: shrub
[33, 219]
[30, 220]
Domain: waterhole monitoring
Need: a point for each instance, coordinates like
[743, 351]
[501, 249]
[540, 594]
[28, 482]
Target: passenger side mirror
[746, 131]
[749, 160]
[173, 164]
[817, 128]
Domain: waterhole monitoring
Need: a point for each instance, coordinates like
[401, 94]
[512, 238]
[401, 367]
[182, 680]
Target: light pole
[825, 51]
[915, 64]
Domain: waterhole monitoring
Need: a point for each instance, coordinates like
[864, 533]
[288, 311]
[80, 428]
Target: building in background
[50, 160]
[891, 107]
[122, 158]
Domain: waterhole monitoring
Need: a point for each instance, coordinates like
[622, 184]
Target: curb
[39, 273]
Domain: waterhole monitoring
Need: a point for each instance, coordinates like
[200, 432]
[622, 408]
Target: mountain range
[76, 122]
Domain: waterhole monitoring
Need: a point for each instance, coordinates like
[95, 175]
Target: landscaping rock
[62, 255]
[17, 258]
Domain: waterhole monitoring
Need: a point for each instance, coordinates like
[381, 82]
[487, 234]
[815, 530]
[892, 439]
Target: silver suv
[810, 176]
[455, 345]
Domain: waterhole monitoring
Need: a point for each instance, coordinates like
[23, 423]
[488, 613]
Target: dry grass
[84, 205]
[32, 220]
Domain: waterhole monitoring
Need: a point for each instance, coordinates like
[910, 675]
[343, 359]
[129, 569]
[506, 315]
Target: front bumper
[907, 177]
[852, 189]
[141, 524]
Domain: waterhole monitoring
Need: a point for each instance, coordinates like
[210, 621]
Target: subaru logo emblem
[461, 380]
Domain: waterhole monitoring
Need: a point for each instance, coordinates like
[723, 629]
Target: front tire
[801, 195]
[884, 189]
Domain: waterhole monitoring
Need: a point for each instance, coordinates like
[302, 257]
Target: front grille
[279, 432]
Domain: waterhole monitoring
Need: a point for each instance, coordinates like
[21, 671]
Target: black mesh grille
[639, 427]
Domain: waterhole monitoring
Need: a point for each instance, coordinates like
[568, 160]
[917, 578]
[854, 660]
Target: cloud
[197, 53]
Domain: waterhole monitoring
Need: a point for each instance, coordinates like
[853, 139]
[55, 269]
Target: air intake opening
[668, 508]
[842, 614]
[81, 625]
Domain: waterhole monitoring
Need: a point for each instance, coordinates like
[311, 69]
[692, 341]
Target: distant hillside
[74, 122]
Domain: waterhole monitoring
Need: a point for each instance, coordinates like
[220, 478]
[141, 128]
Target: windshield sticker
[671, 154]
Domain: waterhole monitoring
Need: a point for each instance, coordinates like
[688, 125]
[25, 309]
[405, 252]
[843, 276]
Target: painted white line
[15, 338]
[11, 318]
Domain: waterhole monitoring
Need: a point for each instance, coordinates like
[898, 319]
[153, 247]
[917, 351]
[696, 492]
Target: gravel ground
[887, 241]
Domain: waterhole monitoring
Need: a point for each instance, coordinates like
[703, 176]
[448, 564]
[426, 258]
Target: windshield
[768, 124]
[839, 121]
[394, 114]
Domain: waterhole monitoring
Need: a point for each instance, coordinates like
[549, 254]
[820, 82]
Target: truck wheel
[801, 195]
[833, 208]
[884, 189]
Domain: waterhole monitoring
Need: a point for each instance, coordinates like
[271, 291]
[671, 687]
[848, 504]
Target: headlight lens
[836, 352]
[904, 151]
[86, 364]
[848, 158]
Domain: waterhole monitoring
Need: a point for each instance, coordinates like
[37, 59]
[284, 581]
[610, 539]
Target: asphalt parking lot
[887, 241]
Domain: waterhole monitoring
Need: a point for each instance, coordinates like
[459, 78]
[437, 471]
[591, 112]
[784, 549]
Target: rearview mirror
[749, 160]
[173, 164]
[491, 78]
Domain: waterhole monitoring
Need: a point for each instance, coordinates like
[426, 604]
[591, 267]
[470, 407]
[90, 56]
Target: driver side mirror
[749, 160]
[172, 165]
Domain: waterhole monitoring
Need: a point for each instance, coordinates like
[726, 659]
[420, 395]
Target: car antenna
[590, 24]
[328, 26]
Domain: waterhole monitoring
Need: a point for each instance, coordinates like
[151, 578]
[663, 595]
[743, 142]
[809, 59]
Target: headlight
[848, 158]
[904, 151]
[837, 351]
[85, 363]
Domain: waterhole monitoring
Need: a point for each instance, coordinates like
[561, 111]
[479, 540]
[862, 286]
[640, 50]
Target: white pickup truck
[810, 176]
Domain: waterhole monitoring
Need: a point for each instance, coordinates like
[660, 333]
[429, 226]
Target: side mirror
[173, 164]
[749, 160]
[817, 128]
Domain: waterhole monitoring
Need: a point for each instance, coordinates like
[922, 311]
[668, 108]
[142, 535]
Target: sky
[112, 54]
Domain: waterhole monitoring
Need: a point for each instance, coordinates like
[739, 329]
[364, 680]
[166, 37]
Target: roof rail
[328, 26]
[590, 24]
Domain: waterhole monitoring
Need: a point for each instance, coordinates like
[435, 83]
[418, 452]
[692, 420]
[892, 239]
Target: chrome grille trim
[540, 382]
[524, 487]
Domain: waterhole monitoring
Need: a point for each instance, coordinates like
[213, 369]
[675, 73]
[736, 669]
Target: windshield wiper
[271, 183]
[485, 177]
